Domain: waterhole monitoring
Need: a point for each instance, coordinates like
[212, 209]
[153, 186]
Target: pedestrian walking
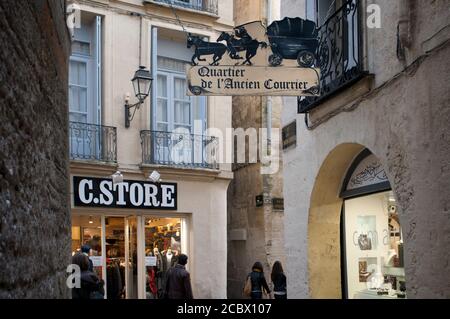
[279, 281]
[178, 285]
[91, 287]
[258, 281]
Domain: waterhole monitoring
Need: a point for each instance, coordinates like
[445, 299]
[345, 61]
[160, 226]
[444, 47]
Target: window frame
[170, 89]
[80, 59]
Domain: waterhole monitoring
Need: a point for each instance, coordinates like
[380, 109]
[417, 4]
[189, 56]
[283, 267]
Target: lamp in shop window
[142, 84]
[90, 220]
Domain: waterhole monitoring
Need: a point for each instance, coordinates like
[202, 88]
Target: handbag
[248, 287]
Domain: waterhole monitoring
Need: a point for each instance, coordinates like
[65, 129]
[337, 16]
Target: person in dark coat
[258, 281]
[178, 284]
[86, 249]
[114, 280]
[279, 281]
[91, 286]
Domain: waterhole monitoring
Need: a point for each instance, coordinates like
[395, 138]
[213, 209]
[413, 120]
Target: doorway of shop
[121, 257]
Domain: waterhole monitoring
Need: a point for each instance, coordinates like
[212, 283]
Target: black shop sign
[99, 192]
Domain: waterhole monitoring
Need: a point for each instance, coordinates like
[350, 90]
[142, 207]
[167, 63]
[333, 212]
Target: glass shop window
[86, 234]
[162, 248]
[374, 248]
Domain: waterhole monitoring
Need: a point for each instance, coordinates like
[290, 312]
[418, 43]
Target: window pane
[326, 9]
[182, 113]
[73, 98]
[185, 128]
[162, 86]
[77, 73]
[77, 99]
[161, 111]
[73, 72]
[199, 107]
[79, 47]
[180, 89]
[171, 64]
[82, 76]
[162, 127]
[77, 117]
[83, 99]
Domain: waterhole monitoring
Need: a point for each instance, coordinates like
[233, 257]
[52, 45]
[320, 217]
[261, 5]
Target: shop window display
[86, 231]
[162, 247]
[374, 247]
[115, 257]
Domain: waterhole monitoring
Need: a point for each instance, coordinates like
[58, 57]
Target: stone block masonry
[34, 185]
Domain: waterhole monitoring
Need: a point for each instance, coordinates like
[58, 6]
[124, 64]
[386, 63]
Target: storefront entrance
[355, 240]
[132, 254]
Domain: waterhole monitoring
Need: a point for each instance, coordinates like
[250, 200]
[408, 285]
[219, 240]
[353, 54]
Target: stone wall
[34, 199]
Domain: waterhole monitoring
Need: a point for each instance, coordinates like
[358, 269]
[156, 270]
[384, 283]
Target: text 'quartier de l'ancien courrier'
[234, 78]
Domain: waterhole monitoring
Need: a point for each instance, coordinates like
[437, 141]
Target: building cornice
[92, 167]
[187, 174]
[99, 169]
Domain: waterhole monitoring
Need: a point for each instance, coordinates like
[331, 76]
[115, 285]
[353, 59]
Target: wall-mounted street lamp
[142, 84]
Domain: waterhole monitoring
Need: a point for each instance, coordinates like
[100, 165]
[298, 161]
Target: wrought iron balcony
[339, 53]
[179, 150]
[210, 6]
[93, 142]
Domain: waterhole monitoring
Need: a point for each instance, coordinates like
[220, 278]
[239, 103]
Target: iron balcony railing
[179, 149]
[210, 6]
[339, 53]
[93, 142]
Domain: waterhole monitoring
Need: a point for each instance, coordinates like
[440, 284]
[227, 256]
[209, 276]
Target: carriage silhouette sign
[279, 60]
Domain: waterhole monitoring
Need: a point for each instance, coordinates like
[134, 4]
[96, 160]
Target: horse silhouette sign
[254, 60]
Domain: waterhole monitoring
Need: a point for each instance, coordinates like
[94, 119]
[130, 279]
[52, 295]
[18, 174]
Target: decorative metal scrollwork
[339, 52]
[93, 142]
[179, 149]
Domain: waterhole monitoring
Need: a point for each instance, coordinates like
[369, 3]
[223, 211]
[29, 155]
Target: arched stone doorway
[338, 267]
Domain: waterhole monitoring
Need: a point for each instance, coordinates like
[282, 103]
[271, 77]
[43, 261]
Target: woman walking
[279, 281]
[258, 281]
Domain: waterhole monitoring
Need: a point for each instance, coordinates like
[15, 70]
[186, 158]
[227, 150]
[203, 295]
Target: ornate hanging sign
[276, 61]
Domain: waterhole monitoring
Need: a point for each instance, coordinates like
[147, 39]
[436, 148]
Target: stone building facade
[34, 185]
[255, 231]
[115, 38]
[398, 109]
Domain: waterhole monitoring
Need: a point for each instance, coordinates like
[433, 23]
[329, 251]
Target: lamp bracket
[128, 116]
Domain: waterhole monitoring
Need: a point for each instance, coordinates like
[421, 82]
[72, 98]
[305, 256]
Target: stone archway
[325, 223]
[324, 251]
